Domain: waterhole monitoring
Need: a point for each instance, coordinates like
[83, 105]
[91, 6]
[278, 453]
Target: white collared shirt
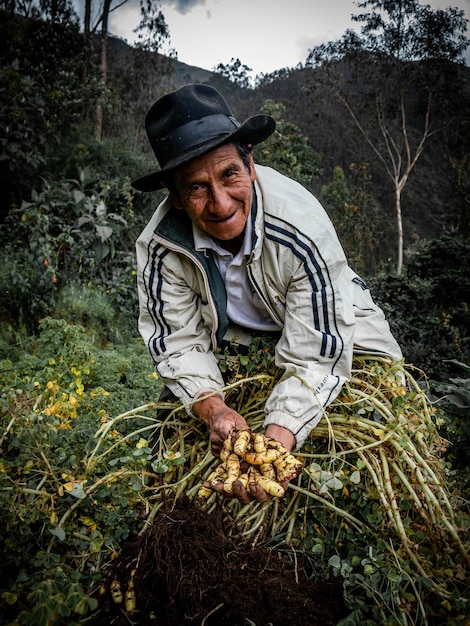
[244, 306]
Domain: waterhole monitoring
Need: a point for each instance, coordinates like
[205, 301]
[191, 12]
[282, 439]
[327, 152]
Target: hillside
[429, 199]
[51, 88]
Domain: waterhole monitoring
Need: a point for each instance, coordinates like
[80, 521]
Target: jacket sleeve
[174, 320]
[316, 346]
[325, 309]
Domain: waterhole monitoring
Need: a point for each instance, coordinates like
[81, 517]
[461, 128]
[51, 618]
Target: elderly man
[239, 249]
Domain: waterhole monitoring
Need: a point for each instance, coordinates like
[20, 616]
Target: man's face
[216, 192]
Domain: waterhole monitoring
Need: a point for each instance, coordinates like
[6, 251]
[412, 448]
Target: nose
[220, 202]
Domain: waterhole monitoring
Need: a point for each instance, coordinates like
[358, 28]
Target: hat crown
[191, 102]
[190, 122]
[183, 119]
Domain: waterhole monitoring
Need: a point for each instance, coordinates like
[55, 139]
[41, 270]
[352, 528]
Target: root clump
[185, 569]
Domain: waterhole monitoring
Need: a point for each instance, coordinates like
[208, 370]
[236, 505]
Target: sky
[266, 35]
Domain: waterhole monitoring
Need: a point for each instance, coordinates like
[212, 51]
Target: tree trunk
[103, 68]
[399, 228]
[87, 40]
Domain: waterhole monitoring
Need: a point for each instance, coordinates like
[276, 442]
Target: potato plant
[85, 468]
[62, 521]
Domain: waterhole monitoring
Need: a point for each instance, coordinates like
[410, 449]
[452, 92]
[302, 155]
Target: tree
[57, 11]
[236, 71]
[153, 31]
[393, 78]
[287, 149]
[42, 100]
[353, 213]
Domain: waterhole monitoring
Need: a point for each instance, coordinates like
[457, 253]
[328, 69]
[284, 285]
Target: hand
[219, 412]
[245, 495]
[281, 434]
[220, 418]
[254, 491]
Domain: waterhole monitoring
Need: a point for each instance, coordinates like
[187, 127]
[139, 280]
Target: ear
[252, 167]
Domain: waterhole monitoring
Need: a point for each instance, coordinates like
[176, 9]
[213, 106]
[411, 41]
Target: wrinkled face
[216, 192]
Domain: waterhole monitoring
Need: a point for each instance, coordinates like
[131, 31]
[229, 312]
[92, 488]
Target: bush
[427, 306]
[454, 400]
[69, 232]
[58, 388]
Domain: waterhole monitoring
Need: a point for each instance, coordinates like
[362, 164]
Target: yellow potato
[232, 467]
[267, 469]
[270, 486]
[227, 449]
[116, 592]
[242, 442]
[259, 443]
[260, 458]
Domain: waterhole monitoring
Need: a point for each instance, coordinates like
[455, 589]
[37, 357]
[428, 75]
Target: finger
[241, 493]
[215, 449]
[238, 491]
[258, 493]
[217, 487]
[216, 444]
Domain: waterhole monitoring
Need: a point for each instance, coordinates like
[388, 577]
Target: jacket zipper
[175, 248]
[268, 306]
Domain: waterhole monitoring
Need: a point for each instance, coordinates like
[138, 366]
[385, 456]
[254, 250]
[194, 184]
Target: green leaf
[355, 477]
[137, 485]
[58, 532]
[77, 491]
[10, 598]
[140, 451]
[159, 467]
[334, 561]
[334, 483]
[96, 544]
[104, 232]
[81, 607]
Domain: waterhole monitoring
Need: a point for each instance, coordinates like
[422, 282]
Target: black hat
[190, 122]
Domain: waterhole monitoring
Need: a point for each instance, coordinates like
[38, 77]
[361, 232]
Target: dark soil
[186, 570]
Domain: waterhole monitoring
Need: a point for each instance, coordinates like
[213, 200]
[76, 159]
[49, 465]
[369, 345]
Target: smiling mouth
[222, 220]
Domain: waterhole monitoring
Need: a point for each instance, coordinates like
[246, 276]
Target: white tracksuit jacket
[298, 269]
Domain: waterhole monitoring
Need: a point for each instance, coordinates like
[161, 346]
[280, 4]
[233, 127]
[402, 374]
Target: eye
[195, 189]
[230, 173]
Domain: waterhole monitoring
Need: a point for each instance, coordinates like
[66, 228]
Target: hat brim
[255, 130]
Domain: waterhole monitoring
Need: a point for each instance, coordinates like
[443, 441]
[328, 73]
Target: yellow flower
[54, 409]
[142, 443]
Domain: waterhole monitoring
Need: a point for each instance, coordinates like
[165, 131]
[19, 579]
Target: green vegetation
[79, 480]
[78, 394]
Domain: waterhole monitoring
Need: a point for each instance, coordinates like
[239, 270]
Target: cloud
[184, 6]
